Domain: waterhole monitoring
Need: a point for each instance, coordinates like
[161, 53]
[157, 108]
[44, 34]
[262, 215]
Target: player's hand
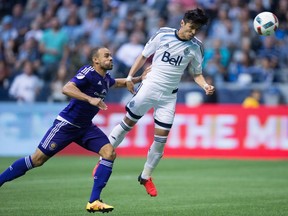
[98, 102]
[130, 86]
[147, 70]
[209, 89]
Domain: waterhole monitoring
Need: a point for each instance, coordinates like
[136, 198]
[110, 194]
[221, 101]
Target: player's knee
[107, 152]
[113, 155]
[38, 161]
[109, 155]
[38, 158]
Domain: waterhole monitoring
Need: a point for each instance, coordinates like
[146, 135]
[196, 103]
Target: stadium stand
[236, 58]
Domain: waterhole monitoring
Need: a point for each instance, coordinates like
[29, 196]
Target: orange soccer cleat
[149, 186]
[98, 206]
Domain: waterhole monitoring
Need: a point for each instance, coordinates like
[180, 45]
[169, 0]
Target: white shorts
[149, 96]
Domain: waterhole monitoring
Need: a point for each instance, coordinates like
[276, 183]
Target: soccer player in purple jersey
[74, 124]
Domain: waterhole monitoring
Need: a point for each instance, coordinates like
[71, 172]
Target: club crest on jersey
[80, 75]
[186, 51]
[166, 46]
[173, 61]
[132, 103]
[52, 146]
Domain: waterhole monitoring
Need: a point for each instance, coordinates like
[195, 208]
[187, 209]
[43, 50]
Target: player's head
[196, 16]
[101, 59]
[255, 93]
[192, 21]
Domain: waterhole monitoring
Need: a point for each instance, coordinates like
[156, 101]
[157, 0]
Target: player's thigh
[164, 112]
[141, 102]
[59, 135]
[93, 139]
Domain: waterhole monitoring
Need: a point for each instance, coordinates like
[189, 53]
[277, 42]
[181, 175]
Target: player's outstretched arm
[70, 89]
[122, 82]
[139, 62]
[200, 80]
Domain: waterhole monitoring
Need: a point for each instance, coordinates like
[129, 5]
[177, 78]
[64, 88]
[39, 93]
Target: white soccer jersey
[171, 57]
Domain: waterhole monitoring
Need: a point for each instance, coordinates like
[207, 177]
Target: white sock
[154, 155]
[118, 134]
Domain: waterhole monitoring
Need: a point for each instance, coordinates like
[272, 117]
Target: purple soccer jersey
[93, 84]
[75, 122]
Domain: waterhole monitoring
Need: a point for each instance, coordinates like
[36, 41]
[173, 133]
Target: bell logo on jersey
[173, 61]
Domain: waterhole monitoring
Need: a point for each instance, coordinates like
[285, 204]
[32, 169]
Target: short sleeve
[80, 79]
[152, 45]
[195, 66]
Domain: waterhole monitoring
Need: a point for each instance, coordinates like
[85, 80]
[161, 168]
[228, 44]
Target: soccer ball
[265, 23]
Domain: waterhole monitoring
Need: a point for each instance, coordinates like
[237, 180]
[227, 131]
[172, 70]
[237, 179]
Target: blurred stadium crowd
[44, 42]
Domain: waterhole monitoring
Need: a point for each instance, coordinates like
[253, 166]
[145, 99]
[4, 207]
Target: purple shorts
[61, 134]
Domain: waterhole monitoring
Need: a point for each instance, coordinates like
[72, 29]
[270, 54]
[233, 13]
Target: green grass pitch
[185, 187]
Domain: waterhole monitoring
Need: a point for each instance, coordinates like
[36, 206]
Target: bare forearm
[71, 90]
[139, 62]
[200, 80]
[121, 82]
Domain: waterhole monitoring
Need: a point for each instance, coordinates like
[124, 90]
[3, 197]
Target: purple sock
[101, 178]
[17, 169]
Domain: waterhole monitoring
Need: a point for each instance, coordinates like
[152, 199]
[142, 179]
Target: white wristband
[129, 78]
[206, 85]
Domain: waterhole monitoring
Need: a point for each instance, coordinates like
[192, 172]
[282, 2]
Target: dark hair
[196, 16]
[94, 52]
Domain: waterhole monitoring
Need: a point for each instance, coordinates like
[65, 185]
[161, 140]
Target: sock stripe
[28, 162]
[52, 133]
[106, 163]
[125, 126]
[160, 139]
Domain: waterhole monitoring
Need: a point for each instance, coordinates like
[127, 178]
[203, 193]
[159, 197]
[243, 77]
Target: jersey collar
[176, 35]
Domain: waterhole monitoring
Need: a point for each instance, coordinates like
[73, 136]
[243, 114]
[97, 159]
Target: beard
[108, 66]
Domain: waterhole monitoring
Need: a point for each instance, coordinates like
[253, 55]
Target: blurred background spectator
[253, 100]
[125, 56]
[54, 50]
[56, 37]
[55, 91]
[25, 86]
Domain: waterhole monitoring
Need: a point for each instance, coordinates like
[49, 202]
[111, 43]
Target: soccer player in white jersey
[174, 51]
